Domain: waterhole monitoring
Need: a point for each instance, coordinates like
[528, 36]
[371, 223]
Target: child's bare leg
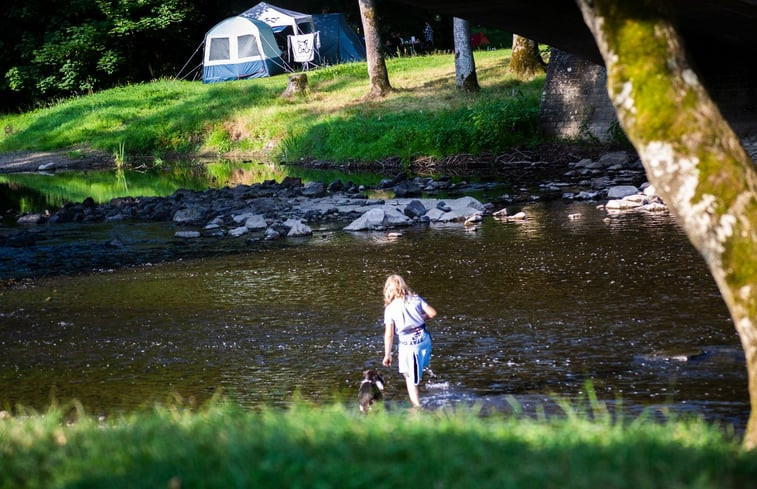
[412, 391]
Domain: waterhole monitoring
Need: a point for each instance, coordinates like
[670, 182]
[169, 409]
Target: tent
[284, 22]
[478, 39]
[339, 43]
[281, 19]
[240, 47]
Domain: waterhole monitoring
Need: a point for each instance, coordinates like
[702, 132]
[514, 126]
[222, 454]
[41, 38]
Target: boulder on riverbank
[625, 199]
[297, 228]
[378, 219]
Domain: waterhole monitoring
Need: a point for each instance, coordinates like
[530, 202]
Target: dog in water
[370, 390]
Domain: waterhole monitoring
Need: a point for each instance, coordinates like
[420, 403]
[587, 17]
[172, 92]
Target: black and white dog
[370, 389]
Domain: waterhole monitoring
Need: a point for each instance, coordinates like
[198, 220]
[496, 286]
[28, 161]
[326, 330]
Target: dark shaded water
[525, 310]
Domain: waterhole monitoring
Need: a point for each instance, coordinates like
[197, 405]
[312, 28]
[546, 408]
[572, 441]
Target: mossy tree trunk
[465, 65]
[377, 74]
[526, 62]
[690, 153]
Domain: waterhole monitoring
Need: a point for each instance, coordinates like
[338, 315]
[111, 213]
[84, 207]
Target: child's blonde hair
[395, 287]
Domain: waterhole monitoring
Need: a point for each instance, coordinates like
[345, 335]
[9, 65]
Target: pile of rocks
[616, 177]
[628, 197]
[592, 180]
[404, 212]
[267, 210]
[270, 210]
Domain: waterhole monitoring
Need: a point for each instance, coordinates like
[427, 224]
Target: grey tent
[339, 43]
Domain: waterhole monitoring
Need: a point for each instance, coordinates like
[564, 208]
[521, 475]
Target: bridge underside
[720, 36]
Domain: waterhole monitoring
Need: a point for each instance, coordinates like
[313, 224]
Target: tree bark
[377, 74]
[525, 61]
[465, 65]
[297, 85]
[690, 153]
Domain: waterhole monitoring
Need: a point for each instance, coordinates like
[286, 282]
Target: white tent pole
[197, 71]
[190, 59]
[286, 67]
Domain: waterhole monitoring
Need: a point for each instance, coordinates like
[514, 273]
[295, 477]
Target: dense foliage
[59, 48]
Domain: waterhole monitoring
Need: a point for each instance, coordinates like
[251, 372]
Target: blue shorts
[414, 355]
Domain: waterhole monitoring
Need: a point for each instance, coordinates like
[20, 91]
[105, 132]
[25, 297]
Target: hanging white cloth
[303, 47]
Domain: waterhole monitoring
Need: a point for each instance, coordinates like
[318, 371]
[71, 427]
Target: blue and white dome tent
[241, 47]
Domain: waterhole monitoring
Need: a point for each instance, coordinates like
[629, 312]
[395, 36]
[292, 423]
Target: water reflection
[19, 198]
[54, 190]
[36, 192]
[525, 309]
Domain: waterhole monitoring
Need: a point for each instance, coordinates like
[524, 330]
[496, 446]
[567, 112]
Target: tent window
[219, 49]
[248, 46]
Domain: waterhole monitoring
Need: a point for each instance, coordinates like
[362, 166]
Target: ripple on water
[526, 311]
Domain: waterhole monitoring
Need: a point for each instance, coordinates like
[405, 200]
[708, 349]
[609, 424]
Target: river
[528, 311]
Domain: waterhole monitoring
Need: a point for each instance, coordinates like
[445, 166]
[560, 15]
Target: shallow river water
[527, 311]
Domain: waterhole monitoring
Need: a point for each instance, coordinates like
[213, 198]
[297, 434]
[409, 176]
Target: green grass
[225, 446]
[425, 116]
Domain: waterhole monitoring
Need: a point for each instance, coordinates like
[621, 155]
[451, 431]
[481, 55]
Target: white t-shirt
[406, 315]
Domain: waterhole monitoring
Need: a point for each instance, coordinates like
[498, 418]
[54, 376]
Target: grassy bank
[425, 116]
[224, 446]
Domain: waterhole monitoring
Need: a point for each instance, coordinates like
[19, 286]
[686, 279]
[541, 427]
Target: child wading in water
[406, 312]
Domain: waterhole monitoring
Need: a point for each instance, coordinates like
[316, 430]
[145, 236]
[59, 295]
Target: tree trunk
[526, 62]
[465, 65]
[377, 74]
[297, 85]
[690, 153]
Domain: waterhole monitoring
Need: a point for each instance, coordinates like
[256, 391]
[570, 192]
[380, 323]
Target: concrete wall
[574, 103]
[735, 96]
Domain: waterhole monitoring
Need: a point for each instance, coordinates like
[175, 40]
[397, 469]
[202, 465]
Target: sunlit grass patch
[424, 116]
[223, 445]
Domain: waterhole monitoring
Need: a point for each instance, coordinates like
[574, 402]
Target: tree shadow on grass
[437, 122]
